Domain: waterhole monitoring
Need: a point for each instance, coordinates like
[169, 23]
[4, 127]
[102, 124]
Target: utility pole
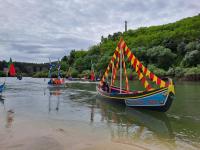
[125, 26]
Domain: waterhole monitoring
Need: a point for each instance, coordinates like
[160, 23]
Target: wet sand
[35, 134]
[30, 134]
[24, 133]
[48, 135]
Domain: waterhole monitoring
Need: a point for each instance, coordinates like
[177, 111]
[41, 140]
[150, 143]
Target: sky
[36, 30]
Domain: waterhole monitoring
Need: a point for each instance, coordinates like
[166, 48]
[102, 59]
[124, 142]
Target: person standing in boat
[105, 86]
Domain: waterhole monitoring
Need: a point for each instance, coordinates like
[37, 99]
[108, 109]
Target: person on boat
[105, 86]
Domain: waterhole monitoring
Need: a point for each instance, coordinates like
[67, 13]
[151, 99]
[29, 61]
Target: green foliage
[65, 58]
[195, 45]
[181, 48]
[191, 58]
[85, 73]
[74, 73]
[179, 72]
[41, 74]
[192, 71]
[170, 72]
[162, 48]
[161, 56]
[159, 72]
[71, 57]
[64, 65]
[103, 63]
[2, 74]
[141, 54]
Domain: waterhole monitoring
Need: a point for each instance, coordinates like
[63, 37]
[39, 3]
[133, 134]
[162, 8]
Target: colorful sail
[92, 74]
[140, 69]
[150, 98]
[11, 67]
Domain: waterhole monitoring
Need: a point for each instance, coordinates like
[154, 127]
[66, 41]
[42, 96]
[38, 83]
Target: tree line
[168, 50]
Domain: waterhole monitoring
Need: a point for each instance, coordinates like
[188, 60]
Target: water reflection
[128, 125]
[2, 99]
[9, 118]
[54, 92]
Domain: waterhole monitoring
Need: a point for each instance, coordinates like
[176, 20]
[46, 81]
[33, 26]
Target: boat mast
[59, 69]
[112, 74]
[50, 67]
[121, 70]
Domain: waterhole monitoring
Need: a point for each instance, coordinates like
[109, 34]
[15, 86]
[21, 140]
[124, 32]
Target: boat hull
[158, 99]
[2, 87]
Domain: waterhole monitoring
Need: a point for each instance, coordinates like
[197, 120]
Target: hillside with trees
[168, 50]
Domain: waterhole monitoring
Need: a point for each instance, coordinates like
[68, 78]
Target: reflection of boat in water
[54, 92]
[134, 122]
[2, 99]
[156, 122]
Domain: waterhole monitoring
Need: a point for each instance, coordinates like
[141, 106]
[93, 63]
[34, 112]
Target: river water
[33, 116]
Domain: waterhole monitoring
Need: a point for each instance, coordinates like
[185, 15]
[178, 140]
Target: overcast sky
[34, 30]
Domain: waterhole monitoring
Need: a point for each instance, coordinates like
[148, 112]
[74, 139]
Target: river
[33, 116]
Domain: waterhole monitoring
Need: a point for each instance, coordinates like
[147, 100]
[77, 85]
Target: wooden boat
[151, 98]
[2, 86]
[60, 82]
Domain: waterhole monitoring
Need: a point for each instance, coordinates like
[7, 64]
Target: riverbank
[26, 134]
[178, 73]
[36, 134]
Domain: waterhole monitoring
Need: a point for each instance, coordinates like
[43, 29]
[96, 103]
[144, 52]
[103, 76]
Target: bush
[192, 71]
[179, 72]
[192, 46]
[171, 72]
[41, 75]
[191, 58]
[85, 73]
[74, 73]
[161, 56]
[157, 71]
[2, 74]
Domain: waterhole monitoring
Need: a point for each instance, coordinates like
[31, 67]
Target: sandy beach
[30, 134]
[43, 135]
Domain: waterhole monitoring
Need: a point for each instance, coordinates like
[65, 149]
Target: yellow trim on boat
[135, 96]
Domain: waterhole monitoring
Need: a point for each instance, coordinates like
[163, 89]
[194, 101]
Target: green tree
[191, 58]
[161, 56]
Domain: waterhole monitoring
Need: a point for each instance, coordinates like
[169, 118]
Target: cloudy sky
[34, 30]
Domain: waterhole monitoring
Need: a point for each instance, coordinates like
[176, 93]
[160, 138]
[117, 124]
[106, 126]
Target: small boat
[19, 77]
[151, 98]
[2, 86]
[59, 82]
